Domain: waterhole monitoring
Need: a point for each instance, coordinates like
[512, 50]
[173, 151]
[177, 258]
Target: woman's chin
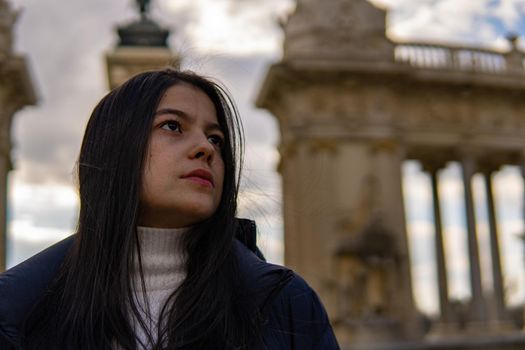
[191, 214]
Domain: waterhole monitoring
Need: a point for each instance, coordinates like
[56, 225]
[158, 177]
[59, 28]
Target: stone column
[5, 166]
[388, 156]
[522, 168]
[477, 306]
[319, 189]
[497, 275]
[16, 91]
[432, 169]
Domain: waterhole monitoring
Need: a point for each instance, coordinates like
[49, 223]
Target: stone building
[352, 106]
[16, 91]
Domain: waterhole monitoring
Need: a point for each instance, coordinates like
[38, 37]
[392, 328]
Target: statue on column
[144, 32]
[514, 58]
[8, 18]
[143, 6]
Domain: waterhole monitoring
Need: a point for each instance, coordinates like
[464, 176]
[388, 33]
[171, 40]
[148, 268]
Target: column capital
[521, 161]
[385, 144]
[467, 152]
[487, 166]
[287, 150]
[433, 165]
[469, 166]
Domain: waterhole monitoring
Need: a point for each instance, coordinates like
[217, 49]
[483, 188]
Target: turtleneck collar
[162, 257]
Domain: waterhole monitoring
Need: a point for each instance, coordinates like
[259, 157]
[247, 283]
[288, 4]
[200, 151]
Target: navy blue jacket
[294, 316]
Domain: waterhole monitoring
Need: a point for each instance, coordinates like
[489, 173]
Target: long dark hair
[88, 306]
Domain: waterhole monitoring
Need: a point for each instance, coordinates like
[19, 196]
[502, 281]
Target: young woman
[159, 260]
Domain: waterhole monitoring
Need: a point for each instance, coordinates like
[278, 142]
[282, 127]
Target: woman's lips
[199, 180]
[200, 176]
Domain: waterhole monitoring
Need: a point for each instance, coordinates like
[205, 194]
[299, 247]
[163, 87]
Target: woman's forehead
[187, 101]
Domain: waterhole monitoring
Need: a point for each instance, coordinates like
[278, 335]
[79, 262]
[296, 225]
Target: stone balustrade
[460, 58]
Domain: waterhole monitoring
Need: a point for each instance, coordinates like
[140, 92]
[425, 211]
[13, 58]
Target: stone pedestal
[125, 62]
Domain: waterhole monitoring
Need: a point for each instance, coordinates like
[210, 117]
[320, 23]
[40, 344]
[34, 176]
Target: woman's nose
[203, 149]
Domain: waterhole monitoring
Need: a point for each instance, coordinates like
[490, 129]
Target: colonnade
[479, 310]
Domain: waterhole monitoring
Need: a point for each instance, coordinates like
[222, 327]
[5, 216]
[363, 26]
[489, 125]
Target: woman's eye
[216, 140]
[171, 125]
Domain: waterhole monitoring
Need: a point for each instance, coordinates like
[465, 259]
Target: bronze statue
[144, 6]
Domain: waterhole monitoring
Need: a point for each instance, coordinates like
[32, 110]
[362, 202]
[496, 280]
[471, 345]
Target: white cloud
[426, 292]
[509, 11]
[26, 231]
[39, 216]
[27, 239]
[423, 230]
[462, 21]
[37, 195]
[270, 237]
[231, 27]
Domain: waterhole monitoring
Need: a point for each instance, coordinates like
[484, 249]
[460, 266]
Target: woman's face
[184, 170]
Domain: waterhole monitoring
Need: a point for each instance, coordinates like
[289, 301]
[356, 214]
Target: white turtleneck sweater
[163, 269]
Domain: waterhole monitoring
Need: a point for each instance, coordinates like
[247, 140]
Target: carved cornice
[323, 144]
[385, 145]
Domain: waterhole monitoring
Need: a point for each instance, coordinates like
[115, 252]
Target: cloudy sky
[234, 41]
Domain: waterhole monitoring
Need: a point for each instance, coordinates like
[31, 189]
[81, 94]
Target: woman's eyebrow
[210, 126]
[213, 127]
[173, 111]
